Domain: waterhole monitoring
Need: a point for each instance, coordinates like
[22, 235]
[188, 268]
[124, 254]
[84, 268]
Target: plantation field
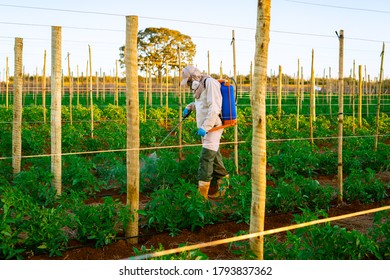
[88, 220]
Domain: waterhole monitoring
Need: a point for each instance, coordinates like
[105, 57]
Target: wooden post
[146, 86]
[78, 86]
[18, 107]
[116, 96]
[302, 88]
[70, 91]
[97, 84]
[166, 95]
[180, 108]
[132, 113]
[90, 89]
[330, 91]
[341, 116]
[86, 86]
[104, 86]
[312, 98]
[279, 93]
[56, 132]
[353, 96]
[35, 87]
[259, 148]
[236, 126]
[298, 92]
[6, 82]
[44, 87]
[378, 108]
[360, 101]
[220, 71]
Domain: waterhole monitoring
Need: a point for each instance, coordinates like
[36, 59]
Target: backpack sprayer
[228, 112]
[229, 104]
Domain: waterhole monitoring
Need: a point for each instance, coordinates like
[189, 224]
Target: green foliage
[238, 198]
[327, 161]
[80, 113]
[296, 156]
[33, 114]
[6, 175]
[44, 230]
[321, 242]
[156, 45]
[156, 167]
[111, 168]
[36, 183]
[359, 154]
[242, 248]
[32, 218]
[295, 191]
[384, 124]
[380, 232]
[100, 222]
[73, 137]
[6, 140]
[26, 225]
[176, 208]
[364, 186]
[283, 198]
[78, 173]
[114, 113]
[110, 135]
[34, 139]
[189, 166]
[150, 132]
[6, 115]
[11, 219]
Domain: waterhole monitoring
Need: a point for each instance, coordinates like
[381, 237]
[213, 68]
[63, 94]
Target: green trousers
[211, 166]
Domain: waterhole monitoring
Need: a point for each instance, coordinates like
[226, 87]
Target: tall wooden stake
[341, 116]
[44, 87]
[6, 82]
[312, 98]
[236, 126]
[378, 108]
[90, 89]
[279, 93]
[259, 148]
[180, 108]
[132, 114]
[56, 131]
[298, 93]
[70, 92]
[18, 107]
[360, 101]
[116, 96]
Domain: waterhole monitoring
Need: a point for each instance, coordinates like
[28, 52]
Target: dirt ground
[122, 250]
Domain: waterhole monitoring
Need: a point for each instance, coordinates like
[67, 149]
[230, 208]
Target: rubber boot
[222, 184]
[203, 188]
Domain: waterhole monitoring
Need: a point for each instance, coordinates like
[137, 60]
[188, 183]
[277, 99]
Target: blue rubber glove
[201, 132]
[186, 112]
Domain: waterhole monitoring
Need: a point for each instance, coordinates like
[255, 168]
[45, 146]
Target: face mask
[195, 85]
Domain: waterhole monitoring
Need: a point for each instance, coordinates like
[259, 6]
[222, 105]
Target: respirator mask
[194, 85]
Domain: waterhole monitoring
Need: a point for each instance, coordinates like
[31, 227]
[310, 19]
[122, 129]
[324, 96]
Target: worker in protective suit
[207, 105]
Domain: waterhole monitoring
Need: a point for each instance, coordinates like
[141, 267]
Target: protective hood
[190, 72]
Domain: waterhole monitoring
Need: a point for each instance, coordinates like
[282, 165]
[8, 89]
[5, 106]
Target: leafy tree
[158, 47]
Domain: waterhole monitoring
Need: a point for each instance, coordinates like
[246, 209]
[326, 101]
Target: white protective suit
[208, 106]
[208, 109]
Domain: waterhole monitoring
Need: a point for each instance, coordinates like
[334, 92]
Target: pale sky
[297, 27]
